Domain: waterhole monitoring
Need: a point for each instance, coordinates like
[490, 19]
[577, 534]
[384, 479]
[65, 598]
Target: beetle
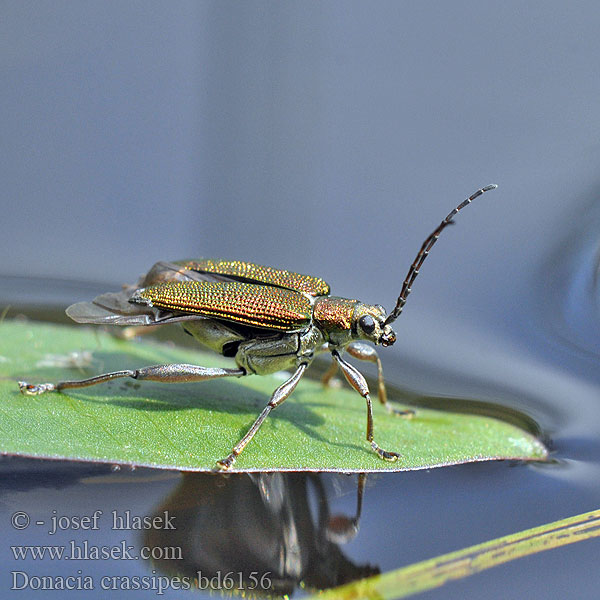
[267, 319]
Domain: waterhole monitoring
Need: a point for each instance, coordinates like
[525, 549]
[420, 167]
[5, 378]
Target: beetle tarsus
[391, 456]
[30, 389]
[226, 463]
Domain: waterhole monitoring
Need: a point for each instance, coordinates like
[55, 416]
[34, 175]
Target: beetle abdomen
[256, 305]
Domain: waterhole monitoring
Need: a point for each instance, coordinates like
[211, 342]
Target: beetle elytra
[267, 319]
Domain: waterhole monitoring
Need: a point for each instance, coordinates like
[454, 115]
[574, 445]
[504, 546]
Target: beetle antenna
[424, 251]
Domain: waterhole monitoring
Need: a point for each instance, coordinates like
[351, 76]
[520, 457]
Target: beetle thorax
[343, 321]
[333, 316]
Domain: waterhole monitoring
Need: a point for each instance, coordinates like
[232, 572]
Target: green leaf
[190, 426]
[435, 572]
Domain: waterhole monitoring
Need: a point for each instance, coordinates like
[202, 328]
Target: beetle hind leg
[175, 373]
[362, 351]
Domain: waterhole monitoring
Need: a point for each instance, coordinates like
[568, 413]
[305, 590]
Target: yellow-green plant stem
[438, 571]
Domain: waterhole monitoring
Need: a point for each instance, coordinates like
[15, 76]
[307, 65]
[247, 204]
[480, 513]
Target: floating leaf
[190, 426]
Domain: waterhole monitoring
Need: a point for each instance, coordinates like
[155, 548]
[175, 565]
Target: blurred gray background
[324, 137]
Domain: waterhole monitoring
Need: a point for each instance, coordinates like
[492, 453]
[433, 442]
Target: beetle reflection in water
[272, 532]
[267, 319]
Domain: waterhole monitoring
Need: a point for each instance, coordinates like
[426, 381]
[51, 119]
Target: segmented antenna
[424, 251]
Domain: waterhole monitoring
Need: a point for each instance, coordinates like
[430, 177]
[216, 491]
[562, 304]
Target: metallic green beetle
[267, 319]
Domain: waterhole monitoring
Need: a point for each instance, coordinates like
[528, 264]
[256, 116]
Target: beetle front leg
[365, 352]
[358, 382]
[176, 373]
[279, 395]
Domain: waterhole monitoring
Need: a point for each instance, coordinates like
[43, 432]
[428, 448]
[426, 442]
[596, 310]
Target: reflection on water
[263, 535]
[582, 301]
[270, 532]
[574, 270]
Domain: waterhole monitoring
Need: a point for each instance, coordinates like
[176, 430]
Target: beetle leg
[365, 352]
[329, 374]
[279, 395]
[358, 382]
[177, 373]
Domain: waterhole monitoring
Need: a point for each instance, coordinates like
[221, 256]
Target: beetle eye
[367, 324]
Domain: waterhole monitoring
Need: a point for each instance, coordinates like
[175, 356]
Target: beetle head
[370, 325]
